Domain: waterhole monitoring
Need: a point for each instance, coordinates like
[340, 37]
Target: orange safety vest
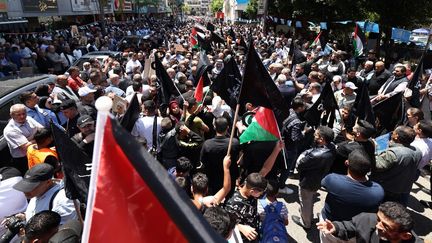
[37, 156]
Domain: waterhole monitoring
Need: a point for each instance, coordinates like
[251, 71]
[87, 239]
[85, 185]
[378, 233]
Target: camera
[13, 225]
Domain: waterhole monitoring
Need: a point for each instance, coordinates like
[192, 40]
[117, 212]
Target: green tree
[186, 8]
[216, 5]
[252, 9]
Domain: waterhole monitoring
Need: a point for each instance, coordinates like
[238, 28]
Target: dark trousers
[21, 164]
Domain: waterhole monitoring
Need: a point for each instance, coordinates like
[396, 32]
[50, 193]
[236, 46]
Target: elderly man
[19, 133]
[367, 72]
[346, 96]
[86, 103]
[62, 89]
[395, 84]
[55, 58]
[113, 87]
[378, 78]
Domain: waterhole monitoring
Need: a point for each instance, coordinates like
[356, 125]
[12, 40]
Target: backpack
[273, 227]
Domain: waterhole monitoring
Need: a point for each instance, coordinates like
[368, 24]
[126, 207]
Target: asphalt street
[422, 216]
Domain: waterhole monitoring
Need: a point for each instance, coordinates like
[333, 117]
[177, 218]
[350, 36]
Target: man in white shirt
[19, 133]
[45, 193]
[132, 64]
[144, 126]
[11, 200]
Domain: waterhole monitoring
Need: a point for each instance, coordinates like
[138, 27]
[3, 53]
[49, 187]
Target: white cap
[83, 91]
[350, 85]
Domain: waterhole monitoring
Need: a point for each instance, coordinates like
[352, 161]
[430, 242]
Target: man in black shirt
[70, 111]
[363, 131]
[85, 139]
[212, 153]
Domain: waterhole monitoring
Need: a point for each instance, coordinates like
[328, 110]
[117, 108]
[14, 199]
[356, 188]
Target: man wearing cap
[346, 96]
[145, 126]
[62, 89]
[85, 138]
[45, 194]
[86, 103]
[19, 134]
[70, 111]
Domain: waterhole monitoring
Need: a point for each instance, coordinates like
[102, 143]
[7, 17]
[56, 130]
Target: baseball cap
[83, 91]
[8, 172]
[84, 120]
[350, 85]
[34, 176]
[67, 104]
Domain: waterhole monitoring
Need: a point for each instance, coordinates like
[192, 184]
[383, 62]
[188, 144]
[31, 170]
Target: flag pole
[103, 106]
[233, 128]
[280, 135]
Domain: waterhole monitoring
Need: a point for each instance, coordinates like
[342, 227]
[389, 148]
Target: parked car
[10, 91]
[132, 42]
[99, 55]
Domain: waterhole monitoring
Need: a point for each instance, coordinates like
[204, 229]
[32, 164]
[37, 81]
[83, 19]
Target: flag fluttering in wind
[362, 108]
[319, 41]
[228, 83]
[203, 67]
[326, 102]
[198, 94]
[133, 199]
[262, 128]
[296, 54]
[359, 41]
[132, 114]
[259, 89]
[76, 165]
[168, 88]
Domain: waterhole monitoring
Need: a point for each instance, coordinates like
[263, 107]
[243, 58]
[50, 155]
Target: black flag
[132, 114]
[326, 102]
[296, 55]
[362, 107]
[168, 89]
[259, 89]
[388, 113]
[203, 67]
[210, 27]
[228, 83]
[75, 163]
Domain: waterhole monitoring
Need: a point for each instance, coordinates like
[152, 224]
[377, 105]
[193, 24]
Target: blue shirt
[347, 197]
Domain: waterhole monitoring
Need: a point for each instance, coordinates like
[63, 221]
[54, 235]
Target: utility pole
[102, 4]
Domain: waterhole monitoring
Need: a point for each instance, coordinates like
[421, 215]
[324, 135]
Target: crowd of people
[367, 193]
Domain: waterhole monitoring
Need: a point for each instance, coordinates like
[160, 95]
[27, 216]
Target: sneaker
[298, 221]
[285, 191]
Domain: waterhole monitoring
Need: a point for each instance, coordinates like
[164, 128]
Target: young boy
[244, 205]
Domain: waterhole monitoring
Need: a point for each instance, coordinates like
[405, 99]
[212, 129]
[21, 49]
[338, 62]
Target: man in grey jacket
[396, 167]
[313, 164]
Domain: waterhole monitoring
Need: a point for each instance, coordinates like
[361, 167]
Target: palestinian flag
[263, 127]
[193, 38]
[358, 41]
[132, 198]
[198, 95]
[317, 41]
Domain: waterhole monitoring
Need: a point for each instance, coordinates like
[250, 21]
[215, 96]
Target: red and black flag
[131, 115]
[259, 89]
[228, 83]
[133, 198]
[203, 67]
[76, 165]
[168, 89]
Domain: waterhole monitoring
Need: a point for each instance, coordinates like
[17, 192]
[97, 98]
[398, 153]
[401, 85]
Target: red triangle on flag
[135, 200]
[199, 89]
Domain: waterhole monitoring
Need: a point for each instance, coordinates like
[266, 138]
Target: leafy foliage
[216, 5]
